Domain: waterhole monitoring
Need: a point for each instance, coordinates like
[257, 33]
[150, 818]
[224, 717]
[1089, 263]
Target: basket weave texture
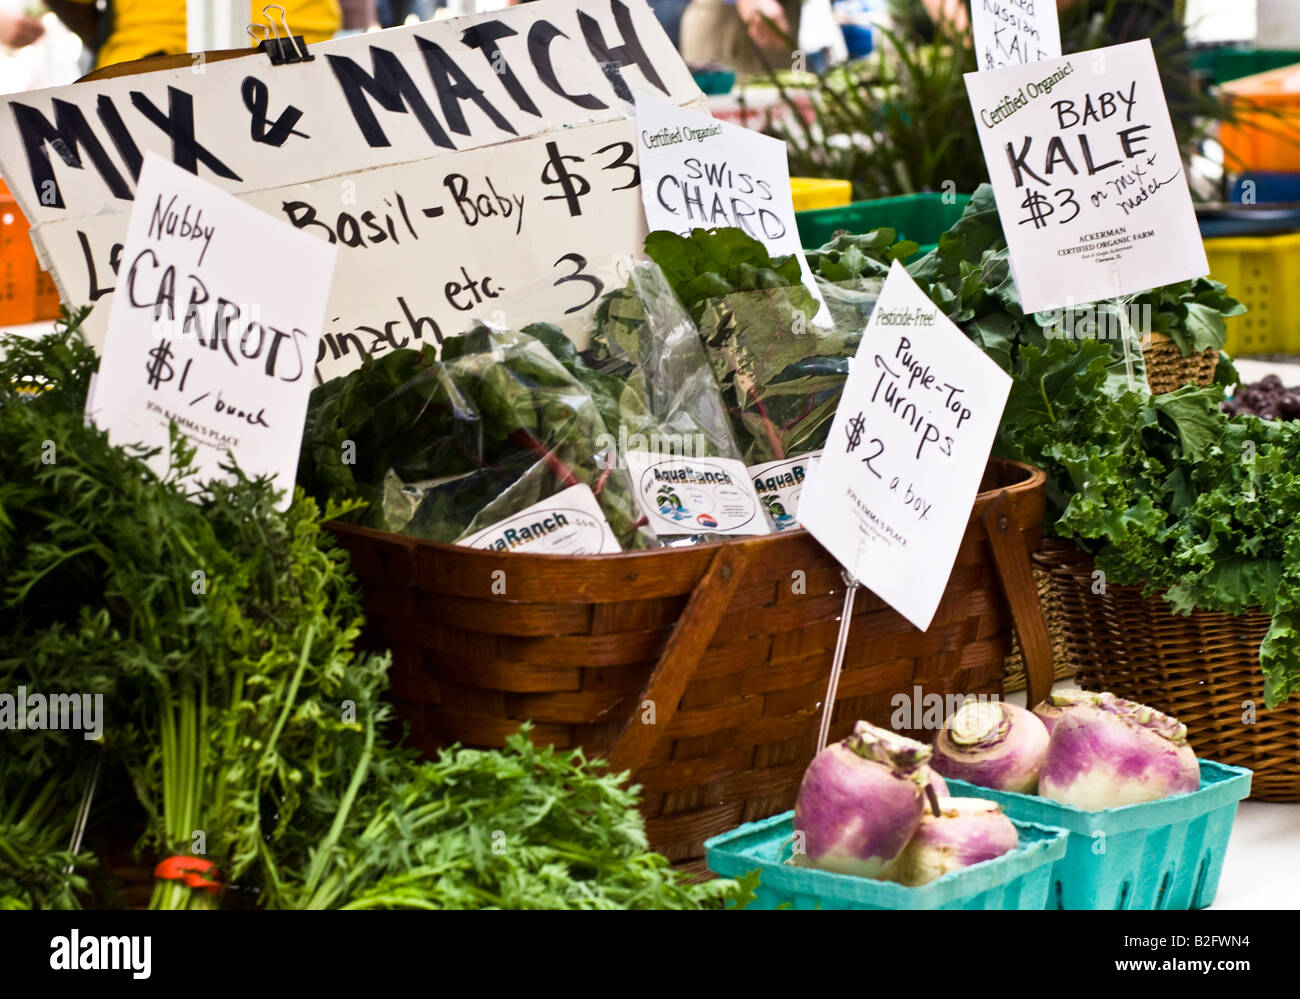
[1168, 370]
[700, 669]
[1015, 677]
[1203, 669]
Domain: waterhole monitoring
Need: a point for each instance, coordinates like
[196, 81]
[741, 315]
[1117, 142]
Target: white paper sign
[368, 100]
[412, 148]
[699, 173]
[1014, 32]
[1087, 175]
[779, 485]
[569, 523]
[680, 495]
[215, 328]
[508, 234]
[894, 486]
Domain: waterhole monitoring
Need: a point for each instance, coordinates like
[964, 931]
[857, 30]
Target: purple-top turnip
[860, 802]
[1057, 703]
[992, 744]
[966, 831]
[939, 785]
[1114, 752]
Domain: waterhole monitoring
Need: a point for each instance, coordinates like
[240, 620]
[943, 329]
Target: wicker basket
[700, 669]
[1168, 370]
[1015, 677]
[1203, 669]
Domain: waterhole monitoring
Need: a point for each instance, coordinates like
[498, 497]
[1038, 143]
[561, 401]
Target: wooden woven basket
[699, 669]
[1014, 676]
[1168, 370]
[1203, 669]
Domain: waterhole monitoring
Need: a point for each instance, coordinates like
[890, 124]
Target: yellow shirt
[147, 27]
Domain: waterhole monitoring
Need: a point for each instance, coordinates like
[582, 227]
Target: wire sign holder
[837, 663]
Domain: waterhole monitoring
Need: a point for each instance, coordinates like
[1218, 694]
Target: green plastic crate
[1165, 854]
[1020, 879]
[920, 217]
[1232, 63]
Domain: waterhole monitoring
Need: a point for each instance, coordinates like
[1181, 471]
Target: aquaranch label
[778, 484]
[680, 495]
[568, 523]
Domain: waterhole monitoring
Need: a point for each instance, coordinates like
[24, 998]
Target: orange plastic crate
[1266, 133]
[27, 293]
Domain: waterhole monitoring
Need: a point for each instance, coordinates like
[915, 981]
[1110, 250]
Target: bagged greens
[670, 405]
[780, 374]
[440, 449]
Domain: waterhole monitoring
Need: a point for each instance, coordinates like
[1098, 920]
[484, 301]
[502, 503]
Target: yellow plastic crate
[1264, 273]
[814, 192]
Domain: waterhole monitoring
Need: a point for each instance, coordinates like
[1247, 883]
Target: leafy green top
[220, 632]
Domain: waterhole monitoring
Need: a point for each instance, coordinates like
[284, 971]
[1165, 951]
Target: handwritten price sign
[215, 329]
[423, 246]
[1014, 32]
[1087, 175]
[480, 167]
[894, 486]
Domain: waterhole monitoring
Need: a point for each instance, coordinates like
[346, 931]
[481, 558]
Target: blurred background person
[39, 50]
[18, 30]
[359, 15]
[750, 36]
[138, 28]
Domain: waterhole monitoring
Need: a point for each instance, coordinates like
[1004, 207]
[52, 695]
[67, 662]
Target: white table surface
[1252, 370]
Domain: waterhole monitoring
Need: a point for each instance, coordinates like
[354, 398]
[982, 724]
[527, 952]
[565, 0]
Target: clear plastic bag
[781, 375]
[646, 339]
[669, 404]
[442, 448]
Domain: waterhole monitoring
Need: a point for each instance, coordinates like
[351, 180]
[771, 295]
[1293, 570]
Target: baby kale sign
[893, 489]
[1087, 176]
[214, 329]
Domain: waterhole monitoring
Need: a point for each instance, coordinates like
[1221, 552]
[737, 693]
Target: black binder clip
[280, 49]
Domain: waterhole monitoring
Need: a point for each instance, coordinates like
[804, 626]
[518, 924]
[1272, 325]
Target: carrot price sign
[213, 331]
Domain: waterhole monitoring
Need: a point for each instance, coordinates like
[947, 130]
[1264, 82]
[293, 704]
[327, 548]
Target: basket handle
[695, 629]
[1011, 559]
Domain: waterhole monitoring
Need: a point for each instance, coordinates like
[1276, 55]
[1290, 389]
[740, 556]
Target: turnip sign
[892, 492]
[1087, 176]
